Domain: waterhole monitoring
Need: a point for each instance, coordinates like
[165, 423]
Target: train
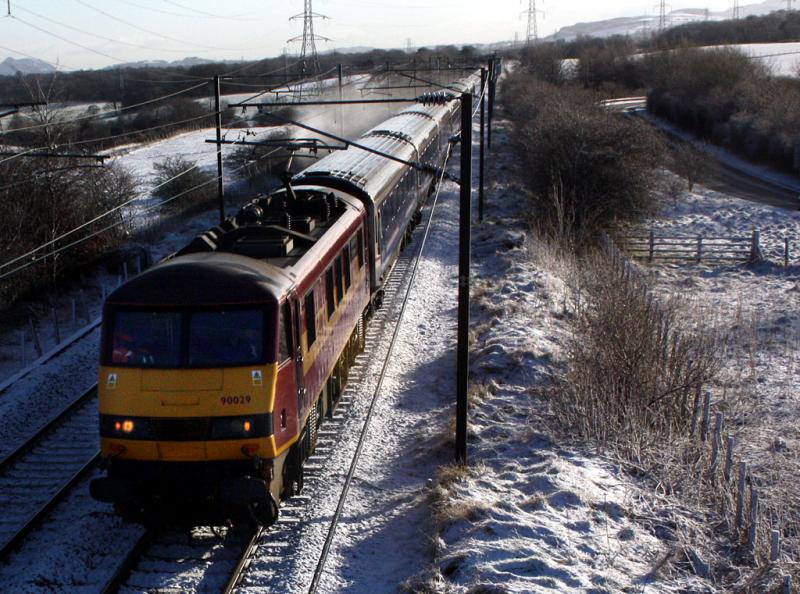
[219, 364]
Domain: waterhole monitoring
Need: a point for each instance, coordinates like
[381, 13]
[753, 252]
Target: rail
[32, 517]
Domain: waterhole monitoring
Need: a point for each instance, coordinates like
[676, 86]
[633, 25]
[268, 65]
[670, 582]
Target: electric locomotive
[218, 365]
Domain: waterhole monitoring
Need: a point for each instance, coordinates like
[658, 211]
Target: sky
[78, 34]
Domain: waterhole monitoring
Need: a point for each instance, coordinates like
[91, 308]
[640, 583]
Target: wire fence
[710, 457]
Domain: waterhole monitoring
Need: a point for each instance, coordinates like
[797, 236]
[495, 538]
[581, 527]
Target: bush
[588, 168]
[180, 182]
[628, 385]
[41, 200]
[723, 96]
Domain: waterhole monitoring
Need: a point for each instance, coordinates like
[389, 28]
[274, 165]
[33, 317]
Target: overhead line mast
[736, 11]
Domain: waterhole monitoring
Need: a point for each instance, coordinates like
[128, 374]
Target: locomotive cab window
[226, 338]
[197, 338]
[146, 339]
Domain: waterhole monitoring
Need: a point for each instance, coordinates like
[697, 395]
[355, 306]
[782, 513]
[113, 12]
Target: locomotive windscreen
[194, 339]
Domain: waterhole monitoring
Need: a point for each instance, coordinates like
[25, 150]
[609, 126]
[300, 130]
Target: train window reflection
[226, 338]
[145, 339]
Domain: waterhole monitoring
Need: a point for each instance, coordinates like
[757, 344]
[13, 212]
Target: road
[722, 177]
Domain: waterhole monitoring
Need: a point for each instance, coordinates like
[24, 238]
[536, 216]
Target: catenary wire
[38, 259]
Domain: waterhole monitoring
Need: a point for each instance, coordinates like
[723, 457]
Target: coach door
[298, 354]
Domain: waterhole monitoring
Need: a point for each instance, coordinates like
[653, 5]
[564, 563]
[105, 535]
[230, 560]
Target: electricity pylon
[309, 59]
[532, 32]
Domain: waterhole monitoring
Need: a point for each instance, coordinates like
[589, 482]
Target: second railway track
[39, 473]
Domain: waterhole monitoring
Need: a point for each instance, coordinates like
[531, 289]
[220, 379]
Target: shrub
[180, 182]
[588, 168]
[628, 384]
[41, 200]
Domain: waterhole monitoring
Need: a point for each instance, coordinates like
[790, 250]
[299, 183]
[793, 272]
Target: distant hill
[10, 66]
[184, 63]
[645, 24]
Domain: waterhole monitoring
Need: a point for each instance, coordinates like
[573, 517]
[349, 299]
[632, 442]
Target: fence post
[755, 246]
[787, 584]
[774, 545]
[699, 247]
[74, 314]
[125, 271]
[729, 459]
[696, 409]
[652, 244]
[712, 471]
[706, 416]
[35, 337]
[22, 347]
[753, 533]
[740, 495]
[56, 329]
[786, 251]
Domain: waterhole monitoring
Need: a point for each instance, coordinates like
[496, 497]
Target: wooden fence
[711, 452]
[695, 248]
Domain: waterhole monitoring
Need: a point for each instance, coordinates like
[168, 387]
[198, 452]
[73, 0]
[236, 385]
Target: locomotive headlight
[125, 427]
[235, 427]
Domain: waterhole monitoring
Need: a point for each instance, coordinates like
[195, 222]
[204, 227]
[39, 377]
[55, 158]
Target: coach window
[339, 291]
[360, 251]
[311, 322]
[346, 265]
[329, 291]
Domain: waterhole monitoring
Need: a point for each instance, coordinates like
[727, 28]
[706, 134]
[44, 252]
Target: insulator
[435, 98]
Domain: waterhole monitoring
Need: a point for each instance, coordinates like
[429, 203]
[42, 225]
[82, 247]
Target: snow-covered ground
[782, 59]
[532, 513]
[758, 308]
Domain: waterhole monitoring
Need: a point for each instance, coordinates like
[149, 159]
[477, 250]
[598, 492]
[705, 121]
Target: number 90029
[233, 400]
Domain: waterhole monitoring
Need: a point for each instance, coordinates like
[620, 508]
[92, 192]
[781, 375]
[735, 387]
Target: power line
[93, 34]
[144, 210]
[150, 32]
[99, 114]
[177, 14]
[208, 15]
[64, 39]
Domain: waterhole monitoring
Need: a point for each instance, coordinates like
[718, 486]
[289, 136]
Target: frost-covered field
[758, 306]
[782, 59]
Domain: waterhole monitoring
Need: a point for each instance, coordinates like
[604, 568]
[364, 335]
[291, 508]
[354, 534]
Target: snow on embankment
[757, 305]
[529, 514]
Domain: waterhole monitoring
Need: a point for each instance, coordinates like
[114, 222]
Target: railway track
[276, 545]
[36, 476]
